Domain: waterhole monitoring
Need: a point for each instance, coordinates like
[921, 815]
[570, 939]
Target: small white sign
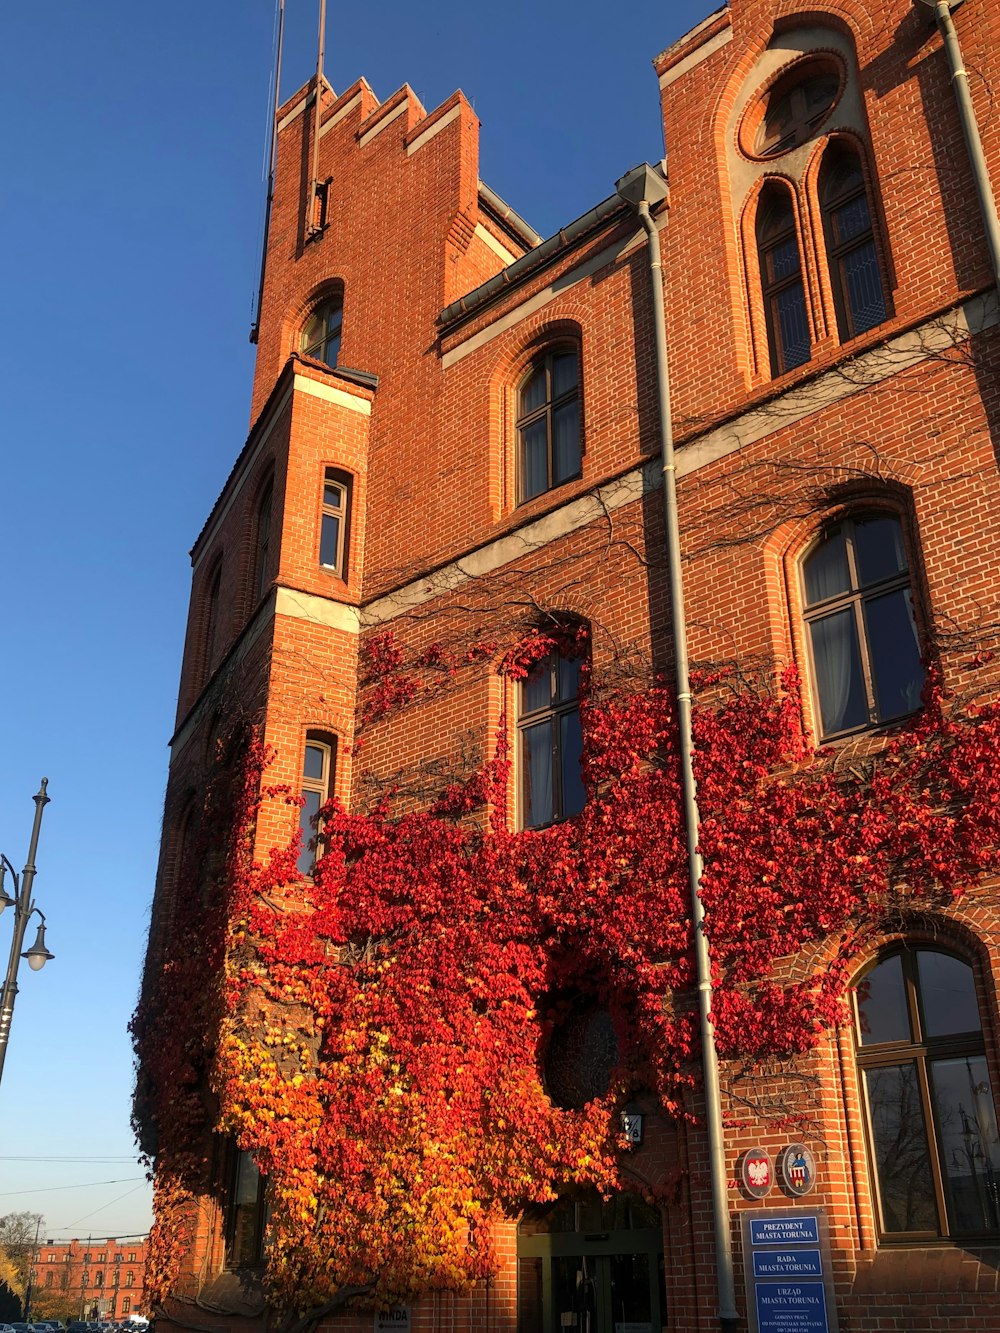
[396, 1320]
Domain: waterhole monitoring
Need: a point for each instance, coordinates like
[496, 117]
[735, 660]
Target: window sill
[941, 1265]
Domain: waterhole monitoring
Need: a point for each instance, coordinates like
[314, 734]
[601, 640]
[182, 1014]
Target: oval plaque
[757, 1172]
[798, 1169]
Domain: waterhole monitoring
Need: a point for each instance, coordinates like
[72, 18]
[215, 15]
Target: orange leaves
[379, 1049]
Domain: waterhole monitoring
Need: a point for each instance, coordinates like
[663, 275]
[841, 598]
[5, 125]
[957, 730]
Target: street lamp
[24, 909]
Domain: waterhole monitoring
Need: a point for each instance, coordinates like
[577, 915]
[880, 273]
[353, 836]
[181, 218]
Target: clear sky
[130, 215]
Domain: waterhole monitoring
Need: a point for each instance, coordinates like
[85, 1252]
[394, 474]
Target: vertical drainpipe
[970, 128]
[640, 187]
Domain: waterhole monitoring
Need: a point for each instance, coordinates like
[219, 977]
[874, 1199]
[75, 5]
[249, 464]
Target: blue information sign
[787, 1263]
[785, 1230]
[791, 1307]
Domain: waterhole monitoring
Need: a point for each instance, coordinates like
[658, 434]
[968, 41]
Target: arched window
[796, 107]
[129, 1279]
[548, 423]
[782, 289]
[850, 243]
[212, 617]
[262, 544]
[318, 769]
[551, 742]
[863, 642]
[932, 1127]
[334, 522]
[126, 1304]
[321, 335]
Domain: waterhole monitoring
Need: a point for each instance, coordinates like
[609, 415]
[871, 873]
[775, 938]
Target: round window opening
[794, 109]
[580, 1056]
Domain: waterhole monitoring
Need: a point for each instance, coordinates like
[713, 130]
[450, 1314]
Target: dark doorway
[589, 1266]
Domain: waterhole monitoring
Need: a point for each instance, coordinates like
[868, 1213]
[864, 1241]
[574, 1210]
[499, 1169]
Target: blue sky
[129, 227]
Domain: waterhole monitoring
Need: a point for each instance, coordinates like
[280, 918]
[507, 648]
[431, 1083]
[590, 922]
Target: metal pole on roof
[640, 187]
[311, 224]
[272, 166]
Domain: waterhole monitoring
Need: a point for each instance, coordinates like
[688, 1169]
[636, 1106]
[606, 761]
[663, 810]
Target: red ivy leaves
[379, 1052]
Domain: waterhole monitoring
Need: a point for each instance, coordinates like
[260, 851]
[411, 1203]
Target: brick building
[453, 419]
[96, 1278]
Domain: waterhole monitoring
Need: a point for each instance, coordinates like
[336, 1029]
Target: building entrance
[586, 1266]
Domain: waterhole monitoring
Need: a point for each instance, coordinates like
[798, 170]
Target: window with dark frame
[852, 255]
[931, 1116]
[212, 616]
[126, 1304]
[318, 768]
[321, 335]
[334, 521]
[550, 742]
[262, 545]
[860, 624]
[246, 1213]
[782, 288]
[796, 107]
[548, 423]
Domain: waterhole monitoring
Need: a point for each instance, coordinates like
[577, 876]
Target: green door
[591, 1267]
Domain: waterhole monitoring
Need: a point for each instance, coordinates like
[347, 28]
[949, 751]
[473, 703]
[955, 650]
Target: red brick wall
[761, 461]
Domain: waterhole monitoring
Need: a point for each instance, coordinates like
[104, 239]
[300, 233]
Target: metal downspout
[652, 185]
[970, 129]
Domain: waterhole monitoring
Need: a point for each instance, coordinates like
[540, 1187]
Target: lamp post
[24, 909]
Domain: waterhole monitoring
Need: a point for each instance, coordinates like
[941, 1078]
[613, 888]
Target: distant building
[102, 1278]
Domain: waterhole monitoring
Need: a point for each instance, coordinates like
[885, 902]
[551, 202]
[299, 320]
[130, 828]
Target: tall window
[551, 742]
[334, 521]
[129, 1279]
[246, 1214]
[548, 423]
[321, 336]
[850, 243]
[262, 550]
[931, 1117]
[126, 1304]
[782, 288]
[860, 624]
[317, 787]
[212, 617]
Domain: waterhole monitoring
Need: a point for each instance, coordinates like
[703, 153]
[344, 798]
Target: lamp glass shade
[38, 955]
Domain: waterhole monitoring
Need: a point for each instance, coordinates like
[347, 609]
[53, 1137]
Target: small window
[860, 624]
[321, 336]
[796, 107]
[334, 522]
[318, 769]
[131, 1256]
[782, 289]
[548, 423]
[262, 546]
[851, 252]
[551, 742]
[212, 617]
[932, 1128]
[246, 1214]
